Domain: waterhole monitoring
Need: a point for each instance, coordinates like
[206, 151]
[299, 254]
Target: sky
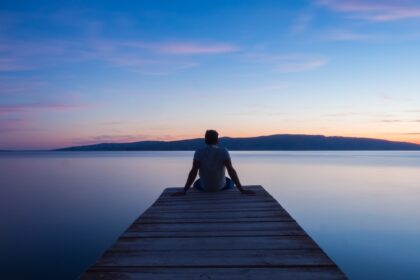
[84, 72]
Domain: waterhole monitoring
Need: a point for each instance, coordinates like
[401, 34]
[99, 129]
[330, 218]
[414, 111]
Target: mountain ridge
[276, 142]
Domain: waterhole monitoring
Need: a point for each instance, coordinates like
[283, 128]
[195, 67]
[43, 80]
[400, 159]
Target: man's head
[211, 137]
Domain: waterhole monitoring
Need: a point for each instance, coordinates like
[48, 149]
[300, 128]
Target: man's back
[212, 168]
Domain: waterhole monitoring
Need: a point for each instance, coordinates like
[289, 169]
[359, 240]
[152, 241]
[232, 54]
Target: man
[211, 162]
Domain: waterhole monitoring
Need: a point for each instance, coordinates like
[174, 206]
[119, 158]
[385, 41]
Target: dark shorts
[229, 185]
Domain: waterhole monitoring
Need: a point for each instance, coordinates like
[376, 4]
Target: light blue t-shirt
[212, 168]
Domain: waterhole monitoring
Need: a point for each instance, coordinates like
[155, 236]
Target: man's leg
[229, 184]
[197, 185]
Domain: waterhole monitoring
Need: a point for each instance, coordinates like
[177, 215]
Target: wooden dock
[222, 235]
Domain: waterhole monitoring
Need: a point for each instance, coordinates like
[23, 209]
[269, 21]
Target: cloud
[301, 23]
[17, 86]
[22, 108]
[346, 35]
[393, 97]
[154, 57]
[392, 121]
[399, 120]
[288, 63]
[301, 65]
[10, 125]
[149, 66]
[12, 64]
[405, 133]
[374, 10]
[191, 48]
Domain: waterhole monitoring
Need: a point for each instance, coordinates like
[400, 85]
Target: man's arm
[191, 177]
[234, 176]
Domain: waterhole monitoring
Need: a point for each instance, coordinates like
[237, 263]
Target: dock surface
[223, 235]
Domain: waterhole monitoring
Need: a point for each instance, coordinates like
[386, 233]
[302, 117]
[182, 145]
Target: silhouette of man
[210, 162]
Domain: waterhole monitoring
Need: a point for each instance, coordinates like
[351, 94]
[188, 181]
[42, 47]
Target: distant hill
[279, 142]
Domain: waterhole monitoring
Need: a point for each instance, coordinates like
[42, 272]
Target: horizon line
[198, 138]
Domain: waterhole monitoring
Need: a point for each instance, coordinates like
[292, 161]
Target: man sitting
[210, 162]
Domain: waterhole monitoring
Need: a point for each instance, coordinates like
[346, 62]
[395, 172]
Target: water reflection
[59, 211]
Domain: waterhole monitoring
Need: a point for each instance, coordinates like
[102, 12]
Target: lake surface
[60, 210]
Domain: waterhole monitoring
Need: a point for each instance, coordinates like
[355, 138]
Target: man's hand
[180, 193]
[248, 192]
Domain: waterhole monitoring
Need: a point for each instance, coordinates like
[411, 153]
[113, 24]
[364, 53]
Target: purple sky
[81, 72]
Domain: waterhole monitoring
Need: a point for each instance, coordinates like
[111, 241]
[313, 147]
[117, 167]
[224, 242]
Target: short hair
[211, 137]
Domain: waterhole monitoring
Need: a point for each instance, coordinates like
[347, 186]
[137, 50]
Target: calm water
[60, 211]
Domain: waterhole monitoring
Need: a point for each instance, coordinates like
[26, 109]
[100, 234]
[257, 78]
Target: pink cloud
[303, 65]
[375, 10]
[195, 48]
[18, 55]
[8, 109]
[12, 64]
[184, 48]
[149, 66]
[289, 62]
[16, 86]
[9, 125]
[346, 35]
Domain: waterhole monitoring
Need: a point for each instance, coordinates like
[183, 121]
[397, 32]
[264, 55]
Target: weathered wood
[214, 227]
[266, 273]
[223, 235]
[293, 231]
[200, 220]
[215, 243]
[215, 205]
[232, 209]
[215, 215]
[214, 258]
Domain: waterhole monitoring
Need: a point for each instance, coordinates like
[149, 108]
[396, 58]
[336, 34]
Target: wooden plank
[217, 258]
[214, 243]
[223, 235]
[216, 215]
[153, 210]
[215, 205]
[215, 220]
[238, 202]
[236, 196]
[296, 231]
[267, 273]
[192, 191]
[214, 227]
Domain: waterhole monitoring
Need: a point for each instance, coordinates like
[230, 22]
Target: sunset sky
[82, 72]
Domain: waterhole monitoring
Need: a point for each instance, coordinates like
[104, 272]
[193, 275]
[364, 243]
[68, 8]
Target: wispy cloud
[21, 108]
[399, 121]
[405, 133]
[371, 37]
[346, 35]
[374, 10]
[135, 55]
[14, 124]
[393, 97]
[302, 65]
[186, 48]
[12, 64]
[392, 121]
[17, 86]
[301, 22]
[289, 63]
